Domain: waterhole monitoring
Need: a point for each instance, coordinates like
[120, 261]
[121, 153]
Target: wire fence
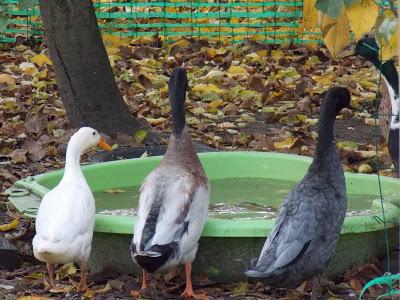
[272, 22]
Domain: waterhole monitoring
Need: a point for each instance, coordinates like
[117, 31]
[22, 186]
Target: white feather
[395, 103]
[176, 187]
[66, 216]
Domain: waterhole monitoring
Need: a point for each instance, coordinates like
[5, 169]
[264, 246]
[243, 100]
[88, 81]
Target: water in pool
[237, 198]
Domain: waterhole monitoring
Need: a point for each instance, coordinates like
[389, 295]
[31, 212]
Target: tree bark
[84, 76]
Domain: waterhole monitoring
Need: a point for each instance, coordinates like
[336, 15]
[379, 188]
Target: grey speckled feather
[308, 225]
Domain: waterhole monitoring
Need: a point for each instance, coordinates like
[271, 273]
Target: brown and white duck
[389, 121]
[174, 197]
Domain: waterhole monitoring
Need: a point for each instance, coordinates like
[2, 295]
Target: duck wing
[163, 216]
[64, 213]
[298, 224]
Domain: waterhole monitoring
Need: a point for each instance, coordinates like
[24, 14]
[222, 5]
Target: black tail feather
[151, 263]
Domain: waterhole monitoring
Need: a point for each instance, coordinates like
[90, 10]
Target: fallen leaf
[356, 285]
[66, 270]
[207, 88]
[18, 156]
[28, 68]
[364, 168]
[237, 70]
[114, 41]
[241, 289]
[41, 59]
[112, 50]
[247, 118]
[287, 143]
[116, 284]
[140, 135]
[157, 121]
[33, 297]
[347, 144]
[114, 191]
[13, 224]
[6, 78]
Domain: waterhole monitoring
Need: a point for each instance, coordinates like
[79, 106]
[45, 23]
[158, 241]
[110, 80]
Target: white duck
[65, 220]
[174, 199]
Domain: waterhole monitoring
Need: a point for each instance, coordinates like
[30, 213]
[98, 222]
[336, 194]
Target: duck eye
[94, 133]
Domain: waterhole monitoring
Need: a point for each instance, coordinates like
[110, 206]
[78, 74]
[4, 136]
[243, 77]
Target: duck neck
[180, 146]
[72, 160]
[326, 139]
[389, 71]
[177, 96]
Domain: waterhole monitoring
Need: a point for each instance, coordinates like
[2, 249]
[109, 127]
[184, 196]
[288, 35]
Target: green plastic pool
[229, 241]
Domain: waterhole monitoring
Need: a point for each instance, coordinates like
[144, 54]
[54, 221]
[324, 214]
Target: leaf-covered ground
[248, 97]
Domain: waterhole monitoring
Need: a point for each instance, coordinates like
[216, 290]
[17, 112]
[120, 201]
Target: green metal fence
[272, 22]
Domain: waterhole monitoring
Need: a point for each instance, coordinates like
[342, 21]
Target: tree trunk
[85, 79]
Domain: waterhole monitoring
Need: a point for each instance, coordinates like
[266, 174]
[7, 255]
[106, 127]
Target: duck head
[87, 137]
[336, 99]
[177, 86]
[368, 48]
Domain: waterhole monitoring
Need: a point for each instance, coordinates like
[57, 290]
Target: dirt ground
[272, 105]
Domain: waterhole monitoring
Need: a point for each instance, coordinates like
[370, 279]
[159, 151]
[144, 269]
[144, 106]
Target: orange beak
[103, 144]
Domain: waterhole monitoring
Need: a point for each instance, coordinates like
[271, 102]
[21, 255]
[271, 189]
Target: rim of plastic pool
[223, 165]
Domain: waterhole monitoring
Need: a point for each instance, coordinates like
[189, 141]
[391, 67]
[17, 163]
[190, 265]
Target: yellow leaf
[367, 84]
[277, 54]
[253, 57]
[211, 52]
[181, 43]
[207, 88]
[362, 15]
[66, 270]
[140, 135]
[385, 25]
[364, 168]
[390, 49]
[310, 16]
[324, 80]
[36, 275]
[286, 143]
[114, 41]
[91, 292]
[43, 74]
[112, 50]
[33, 297]
[236, 70]
[214, 75]
[41, 60]
[5, 78]
[247, 118]
[347, 144]
[114, 191]
[386, 34]
[370, 121]
[215, 103]
[192, 121]
[338, 36]
[325, 22]
[13, 224]
[28, 68]
[153, 121]
[262, 53]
